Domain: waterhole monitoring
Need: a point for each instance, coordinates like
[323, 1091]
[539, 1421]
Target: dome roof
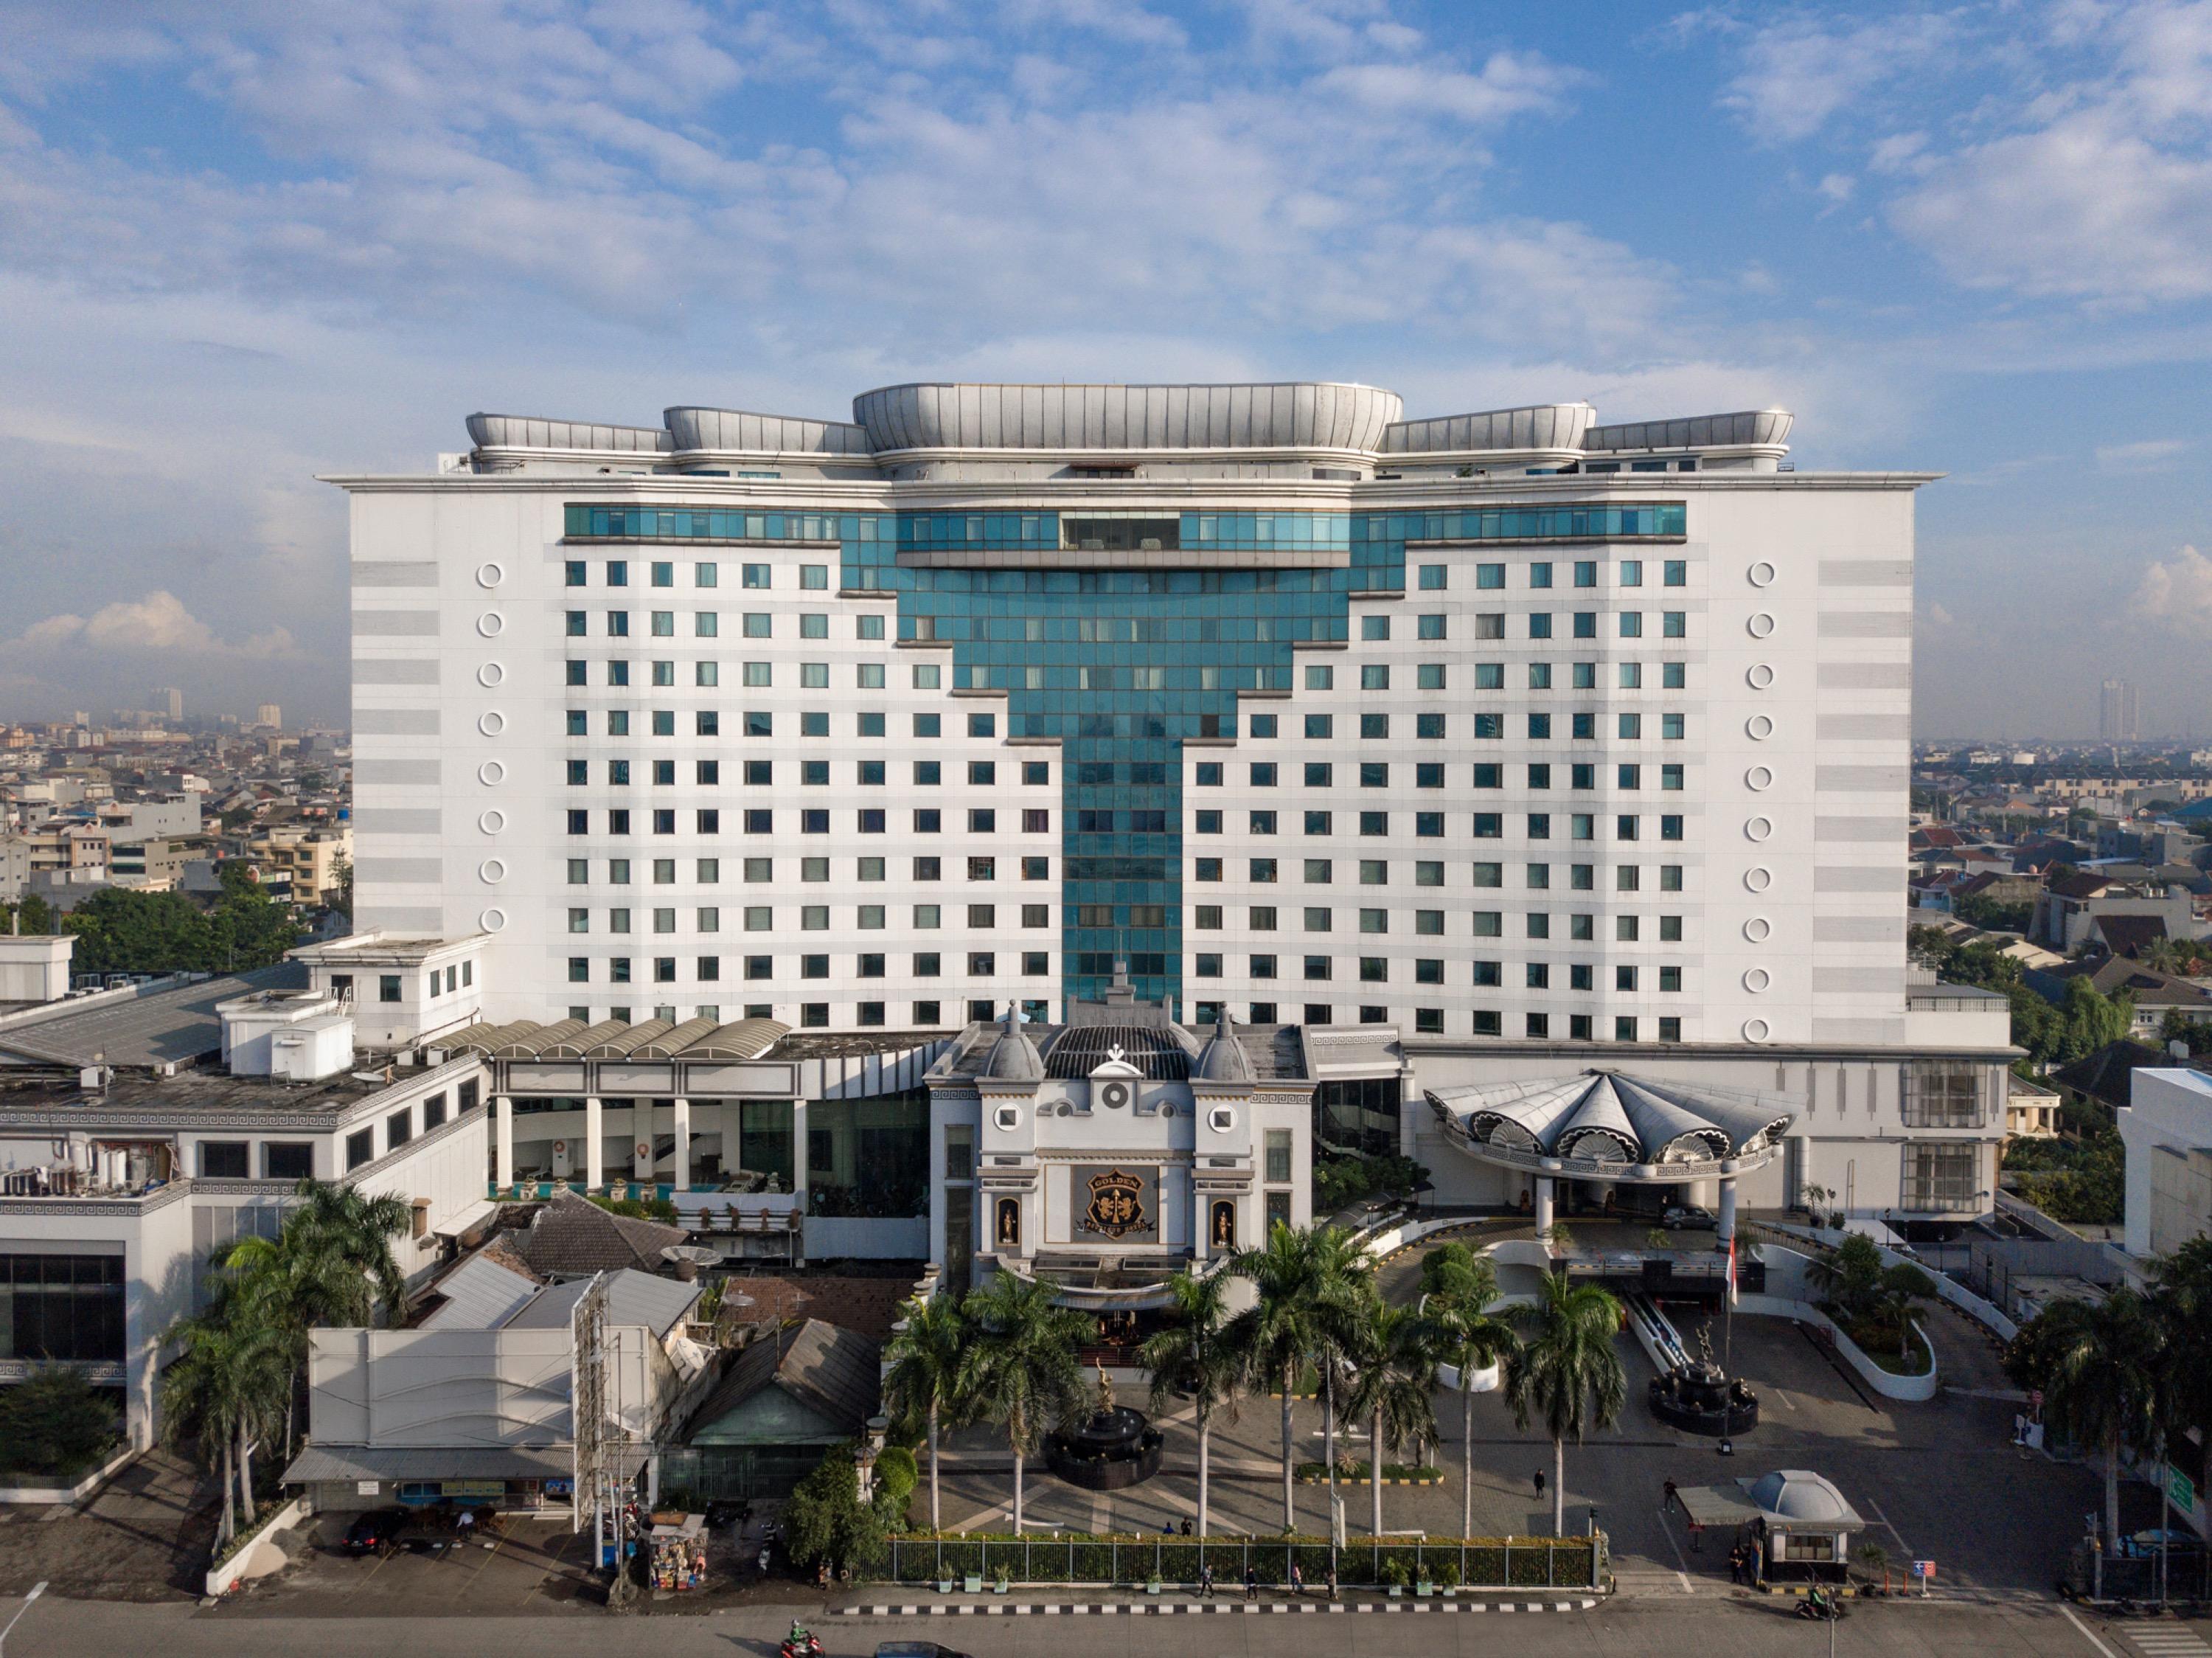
[1609, 1118]
[1800, 1494]
[1224, 1059]
[1014, 1057]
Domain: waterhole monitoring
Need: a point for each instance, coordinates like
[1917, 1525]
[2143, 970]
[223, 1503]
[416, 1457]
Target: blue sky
[243, 244]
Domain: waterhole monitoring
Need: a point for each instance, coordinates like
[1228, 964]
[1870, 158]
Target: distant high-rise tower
[2120, 714]
[271, 715]
[175, 702]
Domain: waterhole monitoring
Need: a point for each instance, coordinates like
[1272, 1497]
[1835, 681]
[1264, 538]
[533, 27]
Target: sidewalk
[1228, 1602]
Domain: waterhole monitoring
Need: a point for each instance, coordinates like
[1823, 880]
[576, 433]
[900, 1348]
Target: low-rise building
[312, 859]
[2167, 1130]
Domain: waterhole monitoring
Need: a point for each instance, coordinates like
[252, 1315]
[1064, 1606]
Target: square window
[1374, 627]
[1433, 578]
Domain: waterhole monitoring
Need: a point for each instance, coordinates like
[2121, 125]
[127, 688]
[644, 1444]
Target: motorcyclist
[1822, 1606]
[799, 1638]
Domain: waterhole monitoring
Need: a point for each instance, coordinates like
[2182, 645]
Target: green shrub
[55, 1425]
[897, 1473]
[1444, 1571]
[1396, 1571]
[825, 1519]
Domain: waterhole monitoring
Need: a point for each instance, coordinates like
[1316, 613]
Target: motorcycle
[807, 1646]
[1822, 1611]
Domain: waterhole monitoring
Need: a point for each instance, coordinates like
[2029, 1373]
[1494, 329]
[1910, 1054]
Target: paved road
[1708, 1628]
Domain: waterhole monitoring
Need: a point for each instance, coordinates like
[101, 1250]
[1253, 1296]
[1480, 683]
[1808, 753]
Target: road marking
[1882, 1519]
[1681, 1564]
[2066, 1612]
[1788, 1404]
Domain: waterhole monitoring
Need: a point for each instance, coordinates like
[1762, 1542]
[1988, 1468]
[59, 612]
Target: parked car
[2143, 1545]
[915, 1650]
[377, 1532]
[1688, 1217]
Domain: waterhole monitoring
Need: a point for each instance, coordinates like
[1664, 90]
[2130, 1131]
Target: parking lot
[533, 1565]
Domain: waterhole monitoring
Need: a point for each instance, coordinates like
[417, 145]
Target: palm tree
[220, 1390]
[1471, 1338]
[1192, 1352]
[1021, 1366]
[1900, 1289]
[1394, 1355]
[1345, 1273]
[330, 1265]
[1849, 1275]
[2099, 1364]
[925, 1358]
[2183, 1303]
[1299, 1318]
[1568, 1372]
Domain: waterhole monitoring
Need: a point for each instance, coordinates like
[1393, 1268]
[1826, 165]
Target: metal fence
[1474, 1562]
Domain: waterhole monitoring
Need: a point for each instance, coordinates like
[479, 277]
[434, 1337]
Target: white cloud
[2152, 454]
[1839, 187]
[2177, 594]
[158, 624]
[1797, 74]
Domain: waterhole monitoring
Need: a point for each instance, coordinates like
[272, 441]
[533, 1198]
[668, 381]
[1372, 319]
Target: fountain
[1698, 1398]
[1111, 1450]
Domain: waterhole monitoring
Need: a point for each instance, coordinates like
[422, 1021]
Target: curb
[1797, 1591]
[1202, 1608]
[1322, 1479]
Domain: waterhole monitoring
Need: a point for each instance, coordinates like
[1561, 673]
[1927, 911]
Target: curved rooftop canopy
[1288, 415]
[1540, 426]
[1803, 1496]
[1611, 1119]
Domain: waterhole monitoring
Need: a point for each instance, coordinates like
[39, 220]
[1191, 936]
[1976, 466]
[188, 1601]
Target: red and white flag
[1731, 1272]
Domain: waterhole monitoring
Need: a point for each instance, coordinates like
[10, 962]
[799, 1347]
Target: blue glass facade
[1120, 666]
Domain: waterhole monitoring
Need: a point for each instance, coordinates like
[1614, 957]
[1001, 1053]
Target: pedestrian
[1206, 1582]
[1672, 1497]
[1297, 1582]
[1332, 1580]
[1186, 1529]
[1540, 1482]
[1251, 1583]
[465, 1523]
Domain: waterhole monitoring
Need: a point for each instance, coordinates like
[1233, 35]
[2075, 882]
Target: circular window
[491, 723]
[491, 674]
[1756, 980]
[491, 624]
[1758, 828]
[1761, 625]
[489, 574]
[1758, 930]
[1755, 1030]
[493, 921]
[492, 821]
[493, 871]
[1758, 676]
[492, 773]
[1759, 777]
[1759, 878]
[1759, 728]
[1761, 575]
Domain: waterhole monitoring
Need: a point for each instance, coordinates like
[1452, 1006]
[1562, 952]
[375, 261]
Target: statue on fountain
[1105, 1405]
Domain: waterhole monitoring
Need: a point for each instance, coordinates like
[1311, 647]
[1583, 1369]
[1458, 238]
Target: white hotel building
[1476, 753]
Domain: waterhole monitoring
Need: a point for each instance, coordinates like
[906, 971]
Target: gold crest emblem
[1115, 1207]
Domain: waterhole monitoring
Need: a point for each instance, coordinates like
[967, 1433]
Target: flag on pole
[1731, 1270]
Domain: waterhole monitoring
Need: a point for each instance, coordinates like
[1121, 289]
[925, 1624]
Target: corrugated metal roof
[169, 1028]
[481, 1294]
[834, 1372]
[330, 1462]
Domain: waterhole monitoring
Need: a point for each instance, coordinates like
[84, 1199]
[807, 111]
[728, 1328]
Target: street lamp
[37, 1589]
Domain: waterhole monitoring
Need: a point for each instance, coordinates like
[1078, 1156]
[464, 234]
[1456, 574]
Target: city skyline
[222, 301]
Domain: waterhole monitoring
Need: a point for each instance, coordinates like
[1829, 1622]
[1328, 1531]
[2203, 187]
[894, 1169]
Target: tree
[1468, 1337]
[1901, 1289]
[55, 1423]
[225, 1385]
[922, 1382]
[1567, 1372]
[1192, 1353]
[825, 1519]
[2098, 1365]
[2091, 1019]
[1297, 1320]
[1394, 1355]
[1021, 1366]
[330, 1265]
[2181, 1301]
[1849, 1276]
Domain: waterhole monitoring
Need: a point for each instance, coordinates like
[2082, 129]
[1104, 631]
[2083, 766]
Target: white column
[1543, 1204]
[682, 1176]
[503, 1152]
[641, 1134]
[1726, 1228]
[595, 1152]
[798, 1152]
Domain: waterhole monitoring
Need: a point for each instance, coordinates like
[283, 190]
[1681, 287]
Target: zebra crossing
[2166, 1637]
